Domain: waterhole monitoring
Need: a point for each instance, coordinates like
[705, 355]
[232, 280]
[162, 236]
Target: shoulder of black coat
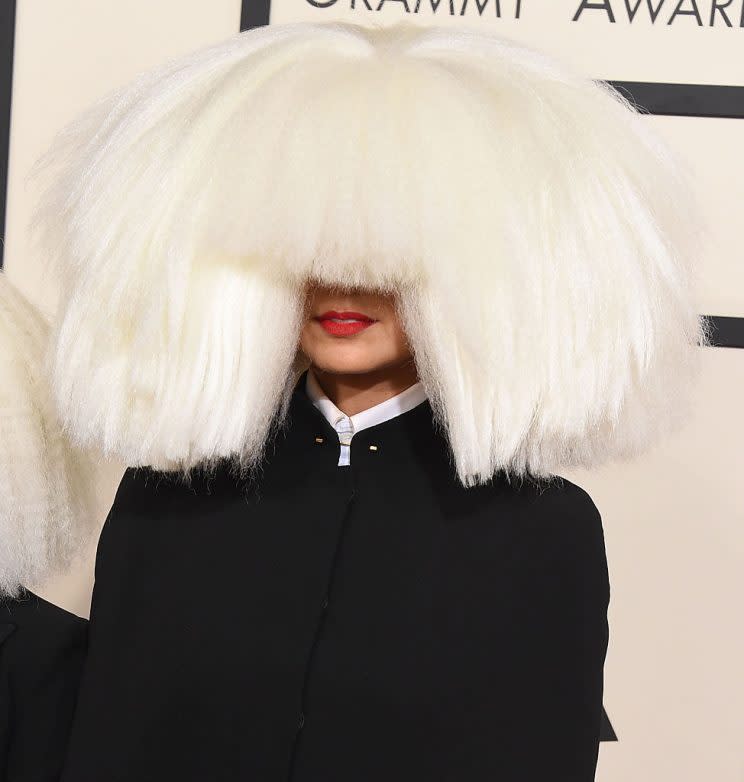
[564, 509]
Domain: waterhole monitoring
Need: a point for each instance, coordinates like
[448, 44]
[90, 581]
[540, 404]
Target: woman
[346, 301]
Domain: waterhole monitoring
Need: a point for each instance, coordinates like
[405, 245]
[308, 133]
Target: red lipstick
[344, 324]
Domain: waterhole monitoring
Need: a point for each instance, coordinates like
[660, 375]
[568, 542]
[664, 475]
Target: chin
[346, 365]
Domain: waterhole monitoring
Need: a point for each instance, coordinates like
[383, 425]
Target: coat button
[324, 604]
[301, 720]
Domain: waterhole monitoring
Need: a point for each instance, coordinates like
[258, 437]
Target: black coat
[42, 649]
[371, 623]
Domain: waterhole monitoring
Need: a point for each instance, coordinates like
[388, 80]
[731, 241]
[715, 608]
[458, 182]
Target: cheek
[306, 340]
[398, 335]
[392, 342]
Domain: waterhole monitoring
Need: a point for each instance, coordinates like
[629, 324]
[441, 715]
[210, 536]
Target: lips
[344, 324]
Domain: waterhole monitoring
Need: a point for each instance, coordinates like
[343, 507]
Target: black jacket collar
[309, 437]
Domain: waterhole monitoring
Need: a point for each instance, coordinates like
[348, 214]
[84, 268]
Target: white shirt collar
[389, 408]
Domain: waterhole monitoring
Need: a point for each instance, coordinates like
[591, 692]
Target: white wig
[46, 508]
[538, 237]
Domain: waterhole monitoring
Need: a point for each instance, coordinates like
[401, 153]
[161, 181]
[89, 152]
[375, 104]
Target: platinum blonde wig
[46, 511]
[538, 237]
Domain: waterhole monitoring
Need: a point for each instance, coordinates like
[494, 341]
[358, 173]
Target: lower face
[352, 330]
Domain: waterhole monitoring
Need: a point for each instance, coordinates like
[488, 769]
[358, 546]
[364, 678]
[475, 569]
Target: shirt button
[301, 721]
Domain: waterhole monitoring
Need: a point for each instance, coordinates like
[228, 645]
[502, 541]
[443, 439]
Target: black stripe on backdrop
[254, 13]
[684, 100]
[728, 332]
[7, 37]
[696, 100]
